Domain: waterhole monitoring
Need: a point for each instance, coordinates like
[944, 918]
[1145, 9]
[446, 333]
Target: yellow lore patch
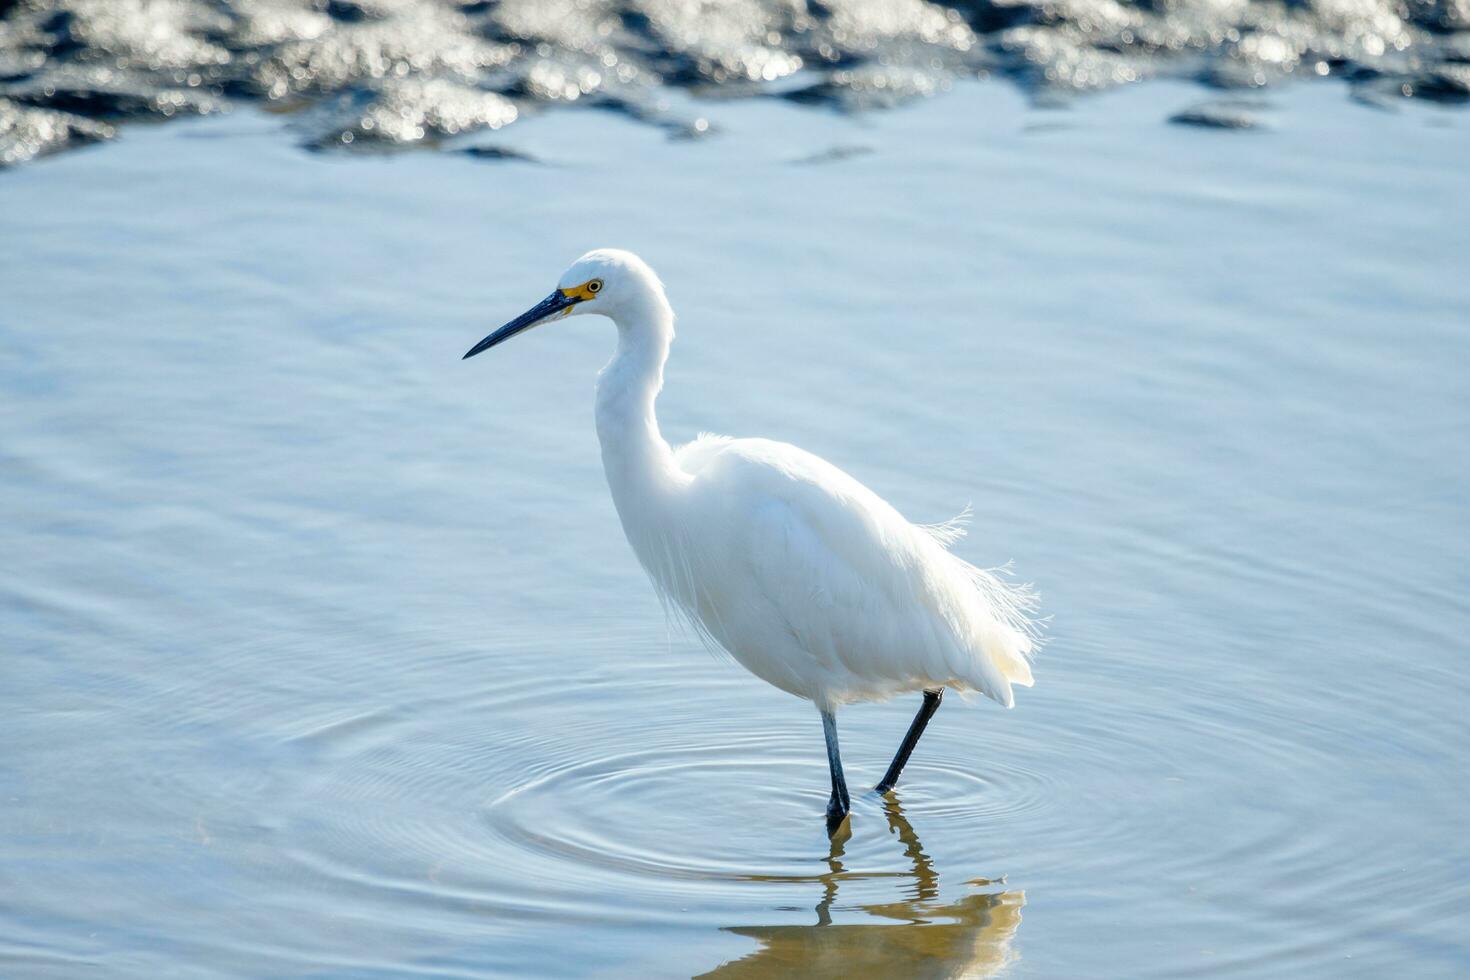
[584, 292]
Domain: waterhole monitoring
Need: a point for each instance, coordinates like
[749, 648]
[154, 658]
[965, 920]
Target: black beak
[547, 308]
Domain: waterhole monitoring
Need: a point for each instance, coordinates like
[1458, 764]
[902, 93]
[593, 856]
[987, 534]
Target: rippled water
[324, 655]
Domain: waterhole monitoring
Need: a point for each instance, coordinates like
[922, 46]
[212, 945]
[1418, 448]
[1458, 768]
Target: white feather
[809, 579]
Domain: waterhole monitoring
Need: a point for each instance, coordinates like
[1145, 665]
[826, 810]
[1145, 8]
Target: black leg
[916, 728]
[839, 804]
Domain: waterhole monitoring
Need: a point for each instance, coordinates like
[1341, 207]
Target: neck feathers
[639, 463]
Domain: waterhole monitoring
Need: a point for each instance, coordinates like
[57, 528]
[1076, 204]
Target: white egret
[810, 580]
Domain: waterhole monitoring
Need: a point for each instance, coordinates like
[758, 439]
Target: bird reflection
[923, 937]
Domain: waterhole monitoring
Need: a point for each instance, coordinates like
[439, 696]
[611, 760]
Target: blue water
[324, 655]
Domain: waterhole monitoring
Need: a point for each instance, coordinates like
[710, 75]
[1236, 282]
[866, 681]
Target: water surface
[368, 74]
[324, 655]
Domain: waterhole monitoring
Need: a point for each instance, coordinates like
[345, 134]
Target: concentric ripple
[676, 793]
[541, 805]
[711, 812]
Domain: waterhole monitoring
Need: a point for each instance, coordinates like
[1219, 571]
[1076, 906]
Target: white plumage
[806, 577]
[818, 586]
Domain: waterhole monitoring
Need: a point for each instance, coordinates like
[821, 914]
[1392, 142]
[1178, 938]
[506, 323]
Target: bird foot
[836, 814]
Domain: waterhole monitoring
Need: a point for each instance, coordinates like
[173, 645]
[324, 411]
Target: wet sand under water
[324, 654]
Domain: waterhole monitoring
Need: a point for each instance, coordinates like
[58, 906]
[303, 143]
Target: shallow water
[324, 654]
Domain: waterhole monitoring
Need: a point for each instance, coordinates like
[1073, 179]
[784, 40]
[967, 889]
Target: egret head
[608, 281]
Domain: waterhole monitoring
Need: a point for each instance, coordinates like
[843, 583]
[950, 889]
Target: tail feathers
[1004, 630]
[1005, 651]
[1013, 663]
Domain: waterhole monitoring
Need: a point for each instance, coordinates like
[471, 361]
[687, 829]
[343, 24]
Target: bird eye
[594, 286]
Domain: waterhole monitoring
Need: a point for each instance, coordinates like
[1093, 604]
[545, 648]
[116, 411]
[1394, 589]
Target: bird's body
[817, 585]
[810, 580]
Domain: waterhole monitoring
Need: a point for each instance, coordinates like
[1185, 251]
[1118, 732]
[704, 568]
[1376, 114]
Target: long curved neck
[638, 462]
